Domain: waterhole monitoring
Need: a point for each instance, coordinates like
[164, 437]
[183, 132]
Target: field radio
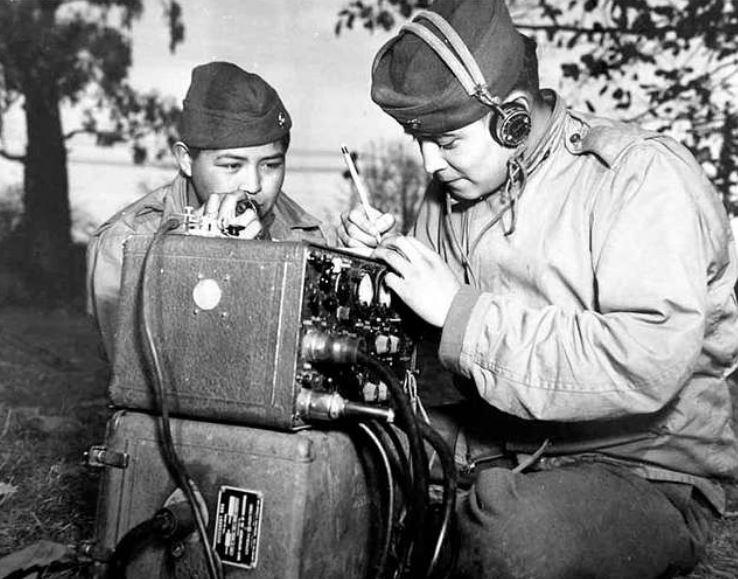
[246, 330]
[245, 344]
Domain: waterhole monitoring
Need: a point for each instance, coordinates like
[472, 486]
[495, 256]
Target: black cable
[318, 346]
[401, 466]
[446, 456]
[419, 461]
[128, 545]
[175, 464]
[398, 458]
[167, 523]
[371, 433]
[131, 542]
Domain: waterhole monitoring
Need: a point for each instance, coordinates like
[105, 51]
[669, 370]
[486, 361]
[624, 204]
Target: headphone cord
[516, 173]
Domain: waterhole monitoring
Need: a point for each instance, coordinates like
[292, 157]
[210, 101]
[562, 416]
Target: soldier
[234, 133]
[581, 273]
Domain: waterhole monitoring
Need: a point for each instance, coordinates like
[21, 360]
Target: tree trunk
[46, 228]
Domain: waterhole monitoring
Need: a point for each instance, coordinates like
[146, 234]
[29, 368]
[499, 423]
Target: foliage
[84, 47]
[76, 52]
[669, 64]
[383, 14]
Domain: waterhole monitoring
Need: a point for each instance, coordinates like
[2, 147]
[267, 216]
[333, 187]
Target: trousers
[584, 520]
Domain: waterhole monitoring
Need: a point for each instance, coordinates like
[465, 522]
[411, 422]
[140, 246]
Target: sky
[323, 80]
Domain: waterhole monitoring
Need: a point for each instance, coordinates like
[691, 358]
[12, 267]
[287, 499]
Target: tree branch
[602, 30]
[11, 157]
[71, 134]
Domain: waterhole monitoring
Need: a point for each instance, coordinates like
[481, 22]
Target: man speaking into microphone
[235, 132]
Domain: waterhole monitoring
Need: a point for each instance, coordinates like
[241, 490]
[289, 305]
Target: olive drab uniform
[606, 322]
[287, 222]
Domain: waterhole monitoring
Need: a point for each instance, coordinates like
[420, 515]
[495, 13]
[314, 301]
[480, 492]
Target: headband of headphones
[460, 60]
[512, 122]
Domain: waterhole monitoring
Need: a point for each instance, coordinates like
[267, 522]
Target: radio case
[314, 513]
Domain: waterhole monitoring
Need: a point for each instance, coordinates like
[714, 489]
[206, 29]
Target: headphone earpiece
[510, 124]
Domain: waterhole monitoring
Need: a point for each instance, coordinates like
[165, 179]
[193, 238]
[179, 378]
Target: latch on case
[100, 456]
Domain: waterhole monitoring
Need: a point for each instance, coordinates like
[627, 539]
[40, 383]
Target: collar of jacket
[554, 126]
[532, 159]
[285, 215]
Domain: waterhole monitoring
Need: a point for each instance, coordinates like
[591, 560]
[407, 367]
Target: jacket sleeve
[104, 271]
[652, 246]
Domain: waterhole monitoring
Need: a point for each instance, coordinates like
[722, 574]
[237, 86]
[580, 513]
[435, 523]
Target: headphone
[511, 123]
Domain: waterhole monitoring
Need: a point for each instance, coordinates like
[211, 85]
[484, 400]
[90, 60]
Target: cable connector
[175, 521]
[321, 347]
[313, 405]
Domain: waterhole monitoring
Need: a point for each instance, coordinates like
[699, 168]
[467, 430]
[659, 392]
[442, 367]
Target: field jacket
[605, 321]
[287, 222]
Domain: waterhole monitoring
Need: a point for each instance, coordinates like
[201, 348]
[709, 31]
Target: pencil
[358, 181]
[360, 187]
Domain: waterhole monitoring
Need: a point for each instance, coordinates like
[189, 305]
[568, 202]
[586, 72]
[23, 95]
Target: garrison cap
[413, 84]
[227, 107]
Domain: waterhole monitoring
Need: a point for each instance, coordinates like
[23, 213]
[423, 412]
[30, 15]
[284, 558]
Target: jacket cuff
[457, 320]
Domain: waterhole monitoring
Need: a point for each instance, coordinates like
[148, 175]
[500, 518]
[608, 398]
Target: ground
[53, 407]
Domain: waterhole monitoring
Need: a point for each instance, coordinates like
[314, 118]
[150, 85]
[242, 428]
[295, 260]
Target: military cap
[412, 83]
[227, 107]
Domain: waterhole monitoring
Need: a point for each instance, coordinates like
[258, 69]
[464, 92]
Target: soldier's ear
[183, 157]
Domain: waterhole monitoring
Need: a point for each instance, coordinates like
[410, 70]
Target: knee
[505, 532]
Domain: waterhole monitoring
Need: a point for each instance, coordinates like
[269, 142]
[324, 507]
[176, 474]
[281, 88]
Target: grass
[53, 407]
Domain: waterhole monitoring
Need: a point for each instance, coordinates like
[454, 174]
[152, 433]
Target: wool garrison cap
[227, 107]
[413, 85]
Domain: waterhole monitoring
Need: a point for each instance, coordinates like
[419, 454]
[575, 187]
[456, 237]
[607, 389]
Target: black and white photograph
[372, 289]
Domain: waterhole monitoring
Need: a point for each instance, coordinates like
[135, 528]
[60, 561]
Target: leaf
[38, 555]
[7, 489]
[570, 70]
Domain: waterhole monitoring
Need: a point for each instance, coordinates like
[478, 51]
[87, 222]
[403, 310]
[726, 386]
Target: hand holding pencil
[363, 226]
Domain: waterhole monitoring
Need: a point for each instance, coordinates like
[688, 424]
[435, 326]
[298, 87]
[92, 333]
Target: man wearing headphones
[581, 273]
